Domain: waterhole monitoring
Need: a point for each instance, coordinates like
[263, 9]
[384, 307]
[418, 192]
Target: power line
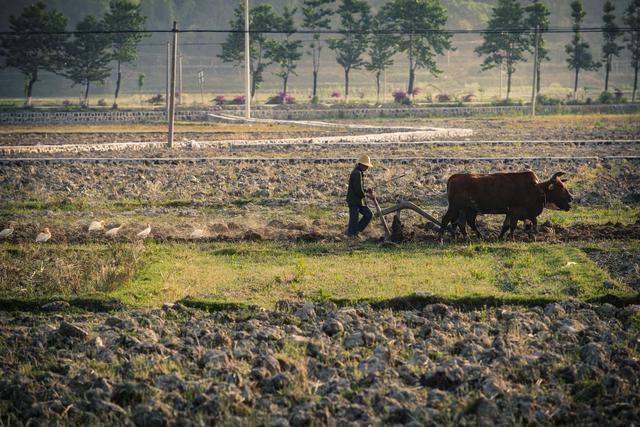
[337, 32]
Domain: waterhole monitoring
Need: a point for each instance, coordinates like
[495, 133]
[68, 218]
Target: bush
[158, 99]
[468, 97]
[102, 102]
[335, 94]
[219, 100]
[401, 97]
[416, 91]
[605, 98]
[506, 103]
[281, 98]
[545, 100]
[443, 97]
[67, 103]
[239, 100]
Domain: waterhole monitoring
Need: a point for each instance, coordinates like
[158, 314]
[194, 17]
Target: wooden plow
[397, 208]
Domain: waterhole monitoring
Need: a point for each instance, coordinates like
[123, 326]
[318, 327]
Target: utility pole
[534, 92]
[247, 64]
[180, 74]
[201, 82]
[166, 87]
[172, 88]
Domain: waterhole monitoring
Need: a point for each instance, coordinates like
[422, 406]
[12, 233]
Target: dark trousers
[355, 225]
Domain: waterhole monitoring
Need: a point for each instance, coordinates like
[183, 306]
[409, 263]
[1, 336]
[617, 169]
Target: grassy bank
[263, 273]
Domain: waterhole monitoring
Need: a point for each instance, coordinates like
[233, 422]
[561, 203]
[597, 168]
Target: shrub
[605, 98]
[335, 94]
[618, 94]
[443, 97]
[67, 103]
[219, 100]
[158, 99]
[545, 100]
[401, 97]
[102, 102]
[238, 100]
[468, 97]
[506, 103]
[416, 91]
[289, 99]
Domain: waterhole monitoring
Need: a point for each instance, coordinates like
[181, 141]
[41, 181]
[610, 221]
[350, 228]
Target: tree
[285, 53]
[381, 51]
[609, 46]
[261, 19]
[504, 48]
[32, 53]
[87, 55]
[579, 57]
[538, 16]
[422, 20]
[317, 16]
[355, 22]
[123, 15]
[632, 19]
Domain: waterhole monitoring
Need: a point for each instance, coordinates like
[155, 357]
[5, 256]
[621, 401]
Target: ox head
[557, 194]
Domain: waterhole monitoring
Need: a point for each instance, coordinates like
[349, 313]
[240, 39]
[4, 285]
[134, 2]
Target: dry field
[270, 317]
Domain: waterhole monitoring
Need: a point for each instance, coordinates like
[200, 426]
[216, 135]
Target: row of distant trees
[371, 42]
[85, 57]
[363, 40]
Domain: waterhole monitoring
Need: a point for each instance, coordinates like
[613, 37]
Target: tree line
[85, 57]
[371, 41]
[362, 40]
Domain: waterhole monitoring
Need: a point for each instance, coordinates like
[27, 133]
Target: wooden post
[247, 63]
[180, 74]
[168, 77]
[172, 86]
[534, 92]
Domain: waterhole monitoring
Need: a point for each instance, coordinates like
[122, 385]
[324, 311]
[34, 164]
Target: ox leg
[471, 220]
[505, 226]
[513, 224]
[446, 219]
[534, 228]
[461, 221]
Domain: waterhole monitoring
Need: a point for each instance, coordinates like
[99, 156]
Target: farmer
[356, 198]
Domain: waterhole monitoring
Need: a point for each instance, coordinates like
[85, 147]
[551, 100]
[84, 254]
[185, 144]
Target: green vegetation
[632, 19]
[579, 57]
[263, 273]
[504, 49]
[29, 54]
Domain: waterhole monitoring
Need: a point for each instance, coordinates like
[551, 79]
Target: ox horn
[556, 175]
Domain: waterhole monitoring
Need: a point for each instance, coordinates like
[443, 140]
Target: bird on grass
[43, 236]
[6, 232]
[112, 232]
[197, 234]
[96, 226]
[144, 233]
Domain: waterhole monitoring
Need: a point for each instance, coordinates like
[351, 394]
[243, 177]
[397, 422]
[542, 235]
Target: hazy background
[461, 67]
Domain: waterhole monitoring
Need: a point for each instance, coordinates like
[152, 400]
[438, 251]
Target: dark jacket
[355, 193]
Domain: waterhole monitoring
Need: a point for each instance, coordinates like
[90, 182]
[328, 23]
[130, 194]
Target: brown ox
[519, 196]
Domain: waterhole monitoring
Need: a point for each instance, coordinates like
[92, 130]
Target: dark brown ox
[519, 196]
